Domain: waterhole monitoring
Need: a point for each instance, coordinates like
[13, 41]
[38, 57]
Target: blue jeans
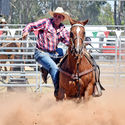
[49, 62]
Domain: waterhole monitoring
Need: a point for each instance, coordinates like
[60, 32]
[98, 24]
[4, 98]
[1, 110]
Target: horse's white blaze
[78, 30]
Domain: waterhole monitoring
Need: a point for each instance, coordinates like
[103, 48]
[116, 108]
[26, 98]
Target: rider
[51, 31]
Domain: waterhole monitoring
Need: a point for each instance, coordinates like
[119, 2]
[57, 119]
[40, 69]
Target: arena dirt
[35, 109]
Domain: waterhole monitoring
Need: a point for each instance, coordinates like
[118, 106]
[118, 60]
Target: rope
[94, 48]
[6, 44]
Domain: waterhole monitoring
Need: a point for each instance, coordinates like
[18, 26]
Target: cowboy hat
[59, 10]
[2, 20]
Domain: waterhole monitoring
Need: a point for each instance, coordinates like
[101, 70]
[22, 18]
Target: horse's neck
[71, 62]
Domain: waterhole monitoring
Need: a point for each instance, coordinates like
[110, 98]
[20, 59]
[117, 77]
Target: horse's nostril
[78, 50]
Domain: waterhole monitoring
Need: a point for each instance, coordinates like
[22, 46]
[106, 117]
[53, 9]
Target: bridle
[74, 50]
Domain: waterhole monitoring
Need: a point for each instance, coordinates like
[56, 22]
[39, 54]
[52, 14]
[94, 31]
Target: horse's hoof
[56, 96]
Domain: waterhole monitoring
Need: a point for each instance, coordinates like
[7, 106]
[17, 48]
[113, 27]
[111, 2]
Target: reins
[94, 48]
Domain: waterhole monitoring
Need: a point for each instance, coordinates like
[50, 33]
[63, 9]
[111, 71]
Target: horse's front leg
[60, 94]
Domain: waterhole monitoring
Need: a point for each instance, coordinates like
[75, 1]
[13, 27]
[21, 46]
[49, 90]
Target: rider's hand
[24, 35]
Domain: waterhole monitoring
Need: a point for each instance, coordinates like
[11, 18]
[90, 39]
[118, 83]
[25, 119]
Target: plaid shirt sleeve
[40, 24]
[66, 36]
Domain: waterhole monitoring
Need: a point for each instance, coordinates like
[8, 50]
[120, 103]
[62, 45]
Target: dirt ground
[31, 108]
[42, 109]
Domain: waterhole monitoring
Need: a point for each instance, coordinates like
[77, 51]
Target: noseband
[73, 49]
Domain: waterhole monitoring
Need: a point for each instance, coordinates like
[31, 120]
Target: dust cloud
[35, 109]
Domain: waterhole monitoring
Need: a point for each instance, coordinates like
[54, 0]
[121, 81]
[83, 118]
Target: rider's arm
[25, 35]
[40, 24]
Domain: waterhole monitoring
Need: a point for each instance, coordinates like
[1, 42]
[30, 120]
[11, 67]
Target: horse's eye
[71, 34]
[84, 33]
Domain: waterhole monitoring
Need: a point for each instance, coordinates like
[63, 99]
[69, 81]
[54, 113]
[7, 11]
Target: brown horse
[9, 56]
[77, 74]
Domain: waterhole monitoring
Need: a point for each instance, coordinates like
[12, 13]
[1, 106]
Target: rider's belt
[42, 50]
[46, 51]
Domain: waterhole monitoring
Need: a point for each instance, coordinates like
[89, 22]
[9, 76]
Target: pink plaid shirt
[48, 37]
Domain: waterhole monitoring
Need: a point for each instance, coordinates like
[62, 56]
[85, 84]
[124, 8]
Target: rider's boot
[56, 85]
[44, 74]
[56, 92]
[97, 90]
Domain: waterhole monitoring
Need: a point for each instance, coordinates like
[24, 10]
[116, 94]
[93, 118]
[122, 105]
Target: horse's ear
[72, 21]
[85, 22]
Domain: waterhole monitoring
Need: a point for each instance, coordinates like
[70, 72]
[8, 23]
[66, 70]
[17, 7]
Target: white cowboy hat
[59, 10]
[3, 20]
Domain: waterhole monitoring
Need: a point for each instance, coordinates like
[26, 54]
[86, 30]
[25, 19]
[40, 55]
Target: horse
[9, 56]
[76, 73]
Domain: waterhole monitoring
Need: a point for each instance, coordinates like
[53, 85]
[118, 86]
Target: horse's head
[77, 36]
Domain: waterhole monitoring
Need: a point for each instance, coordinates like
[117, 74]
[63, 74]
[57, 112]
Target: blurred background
[99, 12]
